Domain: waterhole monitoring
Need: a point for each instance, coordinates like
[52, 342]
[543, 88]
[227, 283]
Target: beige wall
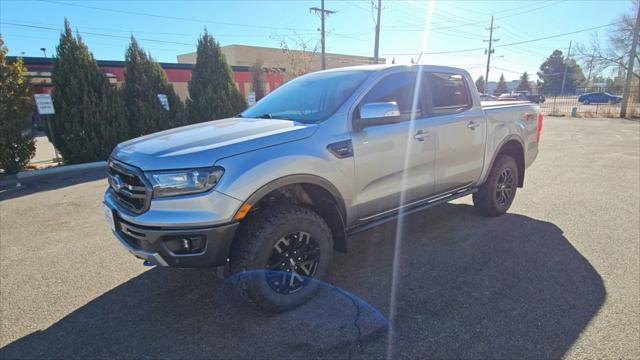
[242, 55]
[181, 89]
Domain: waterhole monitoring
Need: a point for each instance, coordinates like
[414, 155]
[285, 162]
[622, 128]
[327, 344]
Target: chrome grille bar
[129, 186]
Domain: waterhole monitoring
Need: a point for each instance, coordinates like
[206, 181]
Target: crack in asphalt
[358, 342]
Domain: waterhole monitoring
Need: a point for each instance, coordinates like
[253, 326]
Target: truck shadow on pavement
[468, 287]
[28, 186]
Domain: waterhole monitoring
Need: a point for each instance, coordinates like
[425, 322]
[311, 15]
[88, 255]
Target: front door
[394, 163]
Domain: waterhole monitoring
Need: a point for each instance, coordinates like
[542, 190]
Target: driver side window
[399, 88]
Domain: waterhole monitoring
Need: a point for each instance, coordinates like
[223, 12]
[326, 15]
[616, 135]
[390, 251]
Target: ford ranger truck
[272, 192]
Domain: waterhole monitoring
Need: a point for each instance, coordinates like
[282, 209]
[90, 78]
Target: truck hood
[201, 145]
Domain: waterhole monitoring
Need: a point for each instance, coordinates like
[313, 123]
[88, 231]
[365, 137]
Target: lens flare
[407, 161]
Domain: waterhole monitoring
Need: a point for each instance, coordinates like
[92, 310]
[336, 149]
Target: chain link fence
[591, 102]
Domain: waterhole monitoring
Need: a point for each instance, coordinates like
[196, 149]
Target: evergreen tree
[16, 148]
[144, 79]
[524, 85]
[552, 71]
[480, 84]
[257, 79]
[212, 91]
[90, 119]
[501, 88]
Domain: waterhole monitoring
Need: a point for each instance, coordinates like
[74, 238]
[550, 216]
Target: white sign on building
[251, 98]
[44, 104]
[164, 101]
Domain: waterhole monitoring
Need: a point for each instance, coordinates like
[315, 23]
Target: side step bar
[408, 211]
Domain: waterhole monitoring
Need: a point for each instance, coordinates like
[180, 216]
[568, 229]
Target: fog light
[181, 245]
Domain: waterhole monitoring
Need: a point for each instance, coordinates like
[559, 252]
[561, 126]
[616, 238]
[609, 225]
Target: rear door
[459, 129]
[394, 163]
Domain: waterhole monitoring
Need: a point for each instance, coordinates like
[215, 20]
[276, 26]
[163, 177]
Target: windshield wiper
[269, 116]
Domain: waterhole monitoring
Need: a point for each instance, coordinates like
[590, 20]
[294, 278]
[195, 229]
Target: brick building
[39, 72]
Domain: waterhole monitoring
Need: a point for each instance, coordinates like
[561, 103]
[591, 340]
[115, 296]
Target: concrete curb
[60, 169]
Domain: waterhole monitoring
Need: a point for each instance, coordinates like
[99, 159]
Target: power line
[173, 17]
[131, 31]
[479, 23]
[559, 35]
[98, 34]
[510, 44]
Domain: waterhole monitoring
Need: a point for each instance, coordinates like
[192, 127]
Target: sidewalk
[45, 153]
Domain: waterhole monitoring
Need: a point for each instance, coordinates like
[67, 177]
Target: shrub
[90, 117]
[212, 91]
[144, 79]
[17, 146]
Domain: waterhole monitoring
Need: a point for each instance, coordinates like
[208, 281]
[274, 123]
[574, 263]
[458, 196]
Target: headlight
[181, 182]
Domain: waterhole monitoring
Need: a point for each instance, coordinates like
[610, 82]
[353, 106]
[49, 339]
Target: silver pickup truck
[272, 192]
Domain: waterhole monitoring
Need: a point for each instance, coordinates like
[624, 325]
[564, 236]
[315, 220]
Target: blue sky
[168, 28]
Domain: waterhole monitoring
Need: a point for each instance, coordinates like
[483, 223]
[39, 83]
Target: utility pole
[632, 60]
[376, 47]
[323, 13]
[566, 67]
[593, 55]
[489, 52]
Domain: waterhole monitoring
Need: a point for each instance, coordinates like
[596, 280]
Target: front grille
[129, 187]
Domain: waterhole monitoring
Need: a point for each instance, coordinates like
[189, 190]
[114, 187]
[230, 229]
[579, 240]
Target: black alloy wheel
[495, 196]
[293, 262]
[505, 187]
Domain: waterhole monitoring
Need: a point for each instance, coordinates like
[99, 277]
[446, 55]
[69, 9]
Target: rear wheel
[497, 193]
[278, 253]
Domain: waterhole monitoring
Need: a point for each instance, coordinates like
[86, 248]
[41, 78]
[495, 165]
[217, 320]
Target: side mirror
[377, 113]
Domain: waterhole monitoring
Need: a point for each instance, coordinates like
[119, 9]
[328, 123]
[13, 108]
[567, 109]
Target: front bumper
[154, 244]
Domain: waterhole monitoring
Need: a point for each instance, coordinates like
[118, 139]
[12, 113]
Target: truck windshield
[309, 98]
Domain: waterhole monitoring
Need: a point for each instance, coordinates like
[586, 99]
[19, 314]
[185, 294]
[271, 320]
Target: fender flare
[504, 141]
[301, 179]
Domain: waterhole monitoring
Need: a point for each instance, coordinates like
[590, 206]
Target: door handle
[473, 125]
[421, 135]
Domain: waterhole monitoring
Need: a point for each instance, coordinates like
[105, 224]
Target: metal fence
[568, 105]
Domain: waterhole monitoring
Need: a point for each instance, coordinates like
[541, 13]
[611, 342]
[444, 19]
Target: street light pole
[44, 51]
[566, 67]
[323, 14]
[377, 44]
[489, 52]
[632, 60]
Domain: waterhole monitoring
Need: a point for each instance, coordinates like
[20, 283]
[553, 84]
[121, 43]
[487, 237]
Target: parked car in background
[599, 98]
[538, 99]
[512, 97]
[487, 97]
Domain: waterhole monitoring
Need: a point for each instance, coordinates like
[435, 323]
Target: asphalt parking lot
[559, 276]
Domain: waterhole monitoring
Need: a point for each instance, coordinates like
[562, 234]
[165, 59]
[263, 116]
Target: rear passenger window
[449, 93]
[398, 88]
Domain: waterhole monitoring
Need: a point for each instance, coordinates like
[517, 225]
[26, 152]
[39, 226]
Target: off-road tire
[485, 199]
[254, 244]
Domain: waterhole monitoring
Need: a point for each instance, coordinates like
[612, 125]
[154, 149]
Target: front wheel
[585, 102]
[277, 255]
[497, 193]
